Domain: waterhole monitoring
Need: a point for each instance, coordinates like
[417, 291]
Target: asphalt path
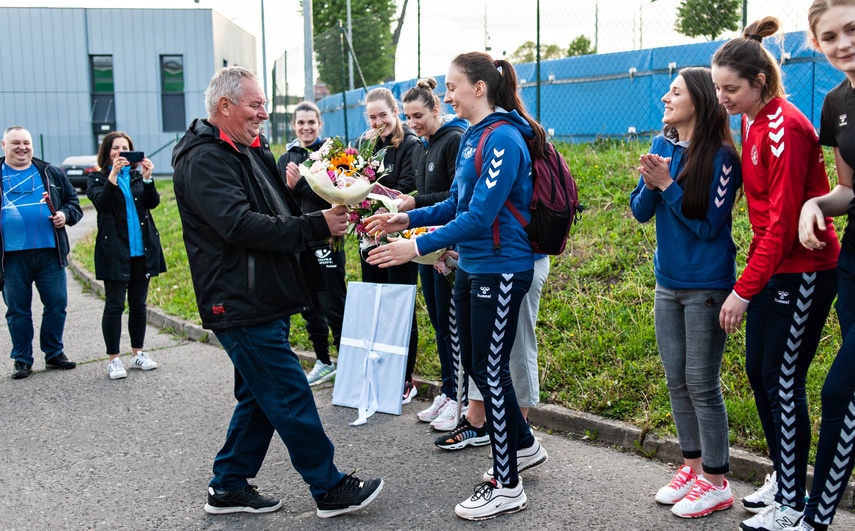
[80, 451]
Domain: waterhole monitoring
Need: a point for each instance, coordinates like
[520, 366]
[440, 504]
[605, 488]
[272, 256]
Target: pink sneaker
[682, 483]
[704, 498]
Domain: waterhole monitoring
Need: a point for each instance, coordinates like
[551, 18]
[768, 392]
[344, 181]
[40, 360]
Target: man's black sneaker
[463, 435]
[248, 500]
[22, 370]
[350, 494]
[60, 362]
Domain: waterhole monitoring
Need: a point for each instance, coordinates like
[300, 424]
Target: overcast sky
[449, 27]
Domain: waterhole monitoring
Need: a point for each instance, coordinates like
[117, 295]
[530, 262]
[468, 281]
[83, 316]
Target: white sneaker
[526, 458]
[762, 497]
[321, 372]
[491, 500]
[804, 526]
[116, 370]
[776, 517]
[447, 418]
[680, 485]
[704, 498]
[142, 361]
[430, 414]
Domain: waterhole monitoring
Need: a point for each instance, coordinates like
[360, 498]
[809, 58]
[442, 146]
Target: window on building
[172, 93]
[103, 113]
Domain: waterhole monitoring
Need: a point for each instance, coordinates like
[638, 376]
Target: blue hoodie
[691, 253]
[477, 199]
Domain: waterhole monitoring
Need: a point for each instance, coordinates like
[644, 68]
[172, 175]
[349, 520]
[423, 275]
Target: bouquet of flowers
[344, 175]
[427, 259]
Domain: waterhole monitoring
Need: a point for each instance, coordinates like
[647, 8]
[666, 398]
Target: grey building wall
[49, 92]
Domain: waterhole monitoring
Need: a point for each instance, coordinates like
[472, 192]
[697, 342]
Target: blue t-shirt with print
[25, 216]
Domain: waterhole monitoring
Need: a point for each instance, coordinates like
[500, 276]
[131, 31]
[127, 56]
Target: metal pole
[350, 39]
[537, 67]
[744, 13]
[343, 92]
[273, 121]
[308, 53]
[597, 26]
[264, 52]
[419, 39]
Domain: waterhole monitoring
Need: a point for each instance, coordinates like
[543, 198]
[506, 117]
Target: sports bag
[554, 203]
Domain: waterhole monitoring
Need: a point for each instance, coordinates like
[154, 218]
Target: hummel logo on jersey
[485, 292]
[782, 297]
[843, 120]
[468, 152]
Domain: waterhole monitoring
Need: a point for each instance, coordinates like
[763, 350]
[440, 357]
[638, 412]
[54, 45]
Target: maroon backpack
[554, 203]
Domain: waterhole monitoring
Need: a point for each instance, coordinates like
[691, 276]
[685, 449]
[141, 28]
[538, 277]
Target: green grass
[595, 329]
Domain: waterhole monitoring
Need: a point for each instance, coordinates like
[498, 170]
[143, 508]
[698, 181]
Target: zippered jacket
[435, 162]
[112, 244]
[478, 198]
[242, 230]
[64, 198]
[691, 253]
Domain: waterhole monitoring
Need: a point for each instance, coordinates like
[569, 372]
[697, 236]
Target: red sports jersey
[782, 167]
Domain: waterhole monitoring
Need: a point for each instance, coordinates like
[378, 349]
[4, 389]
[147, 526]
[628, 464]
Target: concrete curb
[744, 465]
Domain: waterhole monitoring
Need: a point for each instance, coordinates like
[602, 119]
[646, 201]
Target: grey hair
[226, 83]
[13, 128]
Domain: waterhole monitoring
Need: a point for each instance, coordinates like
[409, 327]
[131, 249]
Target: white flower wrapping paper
[355, 192]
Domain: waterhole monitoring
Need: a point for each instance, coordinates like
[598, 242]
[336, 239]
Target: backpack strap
[479, 162]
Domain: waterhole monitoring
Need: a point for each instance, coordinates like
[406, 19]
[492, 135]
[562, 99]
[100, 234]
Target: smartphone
[133, 157]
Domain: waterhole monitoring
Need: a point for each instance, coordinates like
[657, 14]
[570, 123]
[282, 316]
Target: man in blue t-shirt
[34, 249]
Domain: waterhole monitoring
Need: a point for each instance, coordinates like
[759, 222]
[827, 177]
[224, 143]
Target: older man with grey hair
[246, 243]
[38, 202]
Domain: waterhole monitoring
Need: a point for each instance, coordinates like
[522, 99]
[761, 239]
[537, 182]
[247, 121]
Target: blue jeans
[437, 292]
[834, 453]
[488, 307]
[272, 394]
[783, 327]
[42, 267]
[691, 344]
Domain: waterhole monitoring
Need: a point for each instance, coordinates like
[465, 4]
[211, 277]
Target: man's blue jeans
[42, 267]
[272, 393]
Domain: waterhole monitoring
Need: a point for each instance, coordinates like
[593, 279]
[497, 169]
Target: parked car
[78, 168]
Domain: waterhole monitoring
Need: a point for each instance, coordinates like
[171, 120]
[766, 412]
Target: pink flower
[332, 176]
[354, 216]
[369, 172]
[350, 151]
[360, 228]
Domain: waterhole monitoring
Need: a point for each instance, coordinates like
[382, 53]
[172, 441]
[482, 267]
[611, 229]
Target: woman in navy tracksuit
[434, 164]
[491, 281]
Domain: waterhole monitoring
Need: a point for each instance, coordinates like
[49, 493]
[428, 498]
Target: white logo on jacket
[468, 152]
[843, 120]
[755, 156]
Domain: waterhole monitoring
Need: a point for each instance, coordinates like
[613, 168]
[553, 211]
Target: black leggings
[114, 307]
[783, 327]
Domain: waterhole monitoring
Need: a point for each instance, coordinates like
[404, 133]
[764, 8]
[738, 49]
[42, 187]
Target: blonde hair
[384, 95]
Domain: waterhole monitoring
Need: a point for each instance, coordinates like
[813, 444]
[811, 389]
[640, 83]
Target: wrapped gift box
[375, 338]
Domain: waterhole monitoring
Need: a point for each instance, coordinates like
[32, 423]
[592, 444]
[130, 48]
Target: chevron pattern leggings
[834, 455]
[487, 307]
[783, 327]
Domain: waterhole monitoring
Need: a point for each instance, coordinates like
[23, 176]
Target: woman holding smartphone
[127, 246]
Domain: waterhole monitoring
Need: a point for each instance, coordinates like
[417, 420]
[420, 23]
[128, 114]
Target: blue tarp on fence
[604, 95]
